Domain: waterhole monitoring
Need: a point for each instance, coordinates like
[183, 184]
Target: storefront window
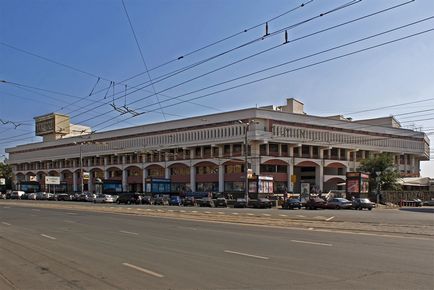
[207, 186]
[234, 186]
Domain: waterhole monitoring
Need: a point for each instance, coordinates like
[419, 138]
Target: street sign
[2, 181]
[32, 178]
[293, 178]
[86, 175]
[52, 180]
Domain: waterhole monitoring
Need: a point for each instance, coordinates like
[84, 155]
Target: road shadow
[418, 209]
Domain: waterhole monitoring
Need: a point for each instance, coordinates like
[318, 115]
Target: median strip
[312, 243]
[149, 272]
[247, 255]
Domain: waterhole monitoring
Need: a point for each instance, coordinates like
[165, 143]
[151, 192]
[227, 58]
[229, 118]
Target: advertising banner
[52, 180]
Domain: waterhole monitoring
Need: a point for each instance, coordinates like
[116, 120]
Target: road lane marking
[310, 229]
[48, 237]
[266, 214]
[250, 214]
[182, 211]
[299, 215]
[71, 213]
[235, 213]
[148, 209]
[5, 223]
[283, 215]
[194, 211]
[170, 210]
[207, 212]
[220, 212]
[130, 233]
[247, 255]
[68, 221]
[149, 272]
[129, 208]
[34, 209]
[312, 243]
[330, 218]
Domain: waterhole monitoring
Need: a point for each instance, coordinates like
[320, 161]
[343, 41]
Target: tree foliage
[381, 163]
[6, 172]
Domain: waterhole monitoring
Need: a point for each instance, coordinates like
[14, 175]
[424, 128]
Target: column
[290, 171]
[254, 158]
[279, 149]
[193, 178]
[74, 181]
[231, 150]
[319, 176]
[267, 149]
[124, 180]
[348, 155]
[90, 182]
[166, 171]
[221, 178]
[310, 152]
[145, 175]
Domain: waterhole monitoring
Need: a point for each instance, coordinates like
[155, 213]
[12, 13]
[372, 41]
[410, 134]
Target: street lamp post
[246, 163]
[378, 179]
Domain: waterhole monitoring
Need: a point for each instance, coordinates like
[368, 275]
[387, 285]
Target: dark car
[189, 201]
[361, 203]
[315, 203]
[221, 202]
[175, 200]
[25, 196]
[161, 201]
[262, 203]
[147, 200]
[206, 202]
[240, 203]
[292, 203]
[338, 203]
[129, 198]
[63, 197]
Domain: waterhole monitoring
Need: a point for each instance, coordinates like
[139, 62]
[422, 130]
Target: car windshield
[365, 200]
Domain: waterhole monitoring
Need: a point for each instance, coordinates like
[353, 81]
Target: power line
[143, 59]
[287, 72]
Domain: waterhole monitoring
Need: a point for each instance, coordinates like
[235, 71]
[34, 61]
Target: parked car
[429, 202]
[63, 197]
[160, 200]
[315, 203]
[189, 201]
[41, 195]
[175, 200]
[129, 198]
[24, 196]
[361, 203]
[17, 194]
[292, 203]
[206, 202]
[221, 202]
[103, 198]
[2, 195]
[32, 196]
[147, 200]
[338, 203]
[262, 203]
[240, 203]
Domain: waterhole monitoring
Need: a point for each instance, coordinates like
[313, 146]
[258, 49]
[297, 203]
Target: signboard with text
[52, 180]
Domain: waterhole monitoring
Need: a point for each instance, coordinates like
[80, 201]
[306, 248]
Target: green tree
[6, 173]
[381, 163]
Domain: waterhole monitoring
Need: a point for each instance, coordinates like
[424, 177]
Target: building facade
[207, 153]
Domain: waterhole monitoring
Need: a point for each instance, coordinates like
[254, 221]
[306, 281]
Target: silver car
[103, 198]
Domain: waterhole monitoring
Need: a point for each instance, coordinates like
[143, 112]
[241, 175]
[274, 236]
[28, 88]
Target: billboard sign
[52, 180]
[305, 189]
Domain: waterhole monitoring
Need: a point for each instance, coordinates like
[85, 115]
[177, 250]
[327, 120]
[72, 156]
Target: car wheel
[338, 207]
[370, 208]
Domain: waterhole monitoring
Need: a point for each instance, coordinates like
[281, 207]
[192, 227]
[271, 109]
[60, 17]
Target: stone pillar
[231, 150]
[319, 176]
[290, 170]
[267, 149]
[90, 182]
[347, 155]
[221, 178]
[254, 158]
[74, 181]
[310, 152]
[166, 171]
[193, 178]
[124, 180]
[279, 149]
[145, 175]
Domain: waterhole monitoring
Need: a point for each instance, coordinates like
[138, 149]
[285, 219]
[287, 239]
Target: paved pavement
[46, 248]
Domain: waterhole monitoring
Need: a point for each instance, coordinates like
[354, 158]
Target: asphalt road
[62, 249]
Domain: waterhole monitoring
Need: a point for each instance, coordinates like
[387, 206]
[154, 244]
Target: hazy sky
[92, 40]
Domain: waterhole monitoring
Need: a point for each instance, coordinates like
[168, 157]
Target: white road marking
[207, 212]
[299, 215]
[68, 221]
[266, 214]
[283, 215]
[330, 218]
[129, 208]
[182, 211]
[130, 233]
[5, 223]
[235, 213]
[320, 217]
[194, 211]
[148, 209]
[143, 270]
[220, 212]
[247, 255]
[160, 210]
[170, 210]
[34, 209]
[71, 213]
[312, 243]
[48, 237]
[310, 229]
[138, 209]
[250, 214]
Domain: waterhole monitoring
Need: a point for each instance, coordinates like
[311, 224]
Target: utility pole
[246, 163]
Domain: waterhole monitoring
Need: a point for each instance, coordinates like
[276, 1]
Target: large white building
[206, 153]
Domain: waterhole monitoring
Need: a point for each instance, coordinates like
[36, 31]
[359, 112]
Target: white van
[17, 194]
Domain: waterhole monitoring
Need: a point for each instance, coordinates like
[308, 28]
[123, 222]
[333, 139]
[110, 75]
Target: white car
[17, 194]
[103, 198]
